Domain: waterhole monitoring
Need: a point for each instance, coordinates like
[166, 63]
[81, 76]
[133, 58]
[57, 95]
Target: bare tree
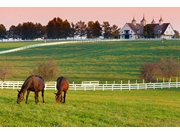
[148, 71]
[169, 67]
[5, 71]
[48, 69]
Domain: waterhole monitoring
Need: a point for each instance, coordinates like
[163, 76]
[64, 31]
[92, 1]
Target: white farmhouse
[135, 30]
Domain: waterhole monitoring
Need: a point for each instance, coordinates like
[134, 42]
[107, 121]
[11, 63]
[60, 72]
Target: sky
[114, 14]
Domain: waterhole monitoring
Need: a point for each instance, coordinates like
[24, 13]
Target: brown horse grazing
[32, 83]
[62, 85]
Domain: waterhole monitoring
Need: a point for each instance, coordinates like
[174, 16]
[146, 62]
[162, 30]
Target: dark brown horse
[62, 85]
[32, 83]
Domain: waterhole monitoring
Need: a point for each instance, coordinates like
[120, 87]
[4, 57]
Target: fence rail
[134, 86]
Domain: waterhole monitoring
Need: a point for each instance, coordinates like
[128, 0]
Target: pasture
[93, 61]
[136, 108]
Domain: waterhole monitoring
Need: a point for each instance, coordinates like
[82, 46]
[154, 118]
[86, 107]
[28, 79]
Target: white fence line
[134, 86]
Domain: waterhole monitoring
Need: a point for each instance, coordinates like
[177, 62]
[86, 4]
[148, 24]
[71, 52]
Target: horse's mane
[27, 79]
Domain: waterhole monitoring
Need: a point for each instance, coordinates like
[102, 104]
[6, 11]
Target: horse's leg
[61, 96]
[28, 91]
[43, 95]
[36, 97]
[64, 96]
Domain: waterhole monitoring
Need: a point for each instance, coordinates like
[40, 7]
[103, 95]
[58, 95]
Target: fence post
[2, 85]
[103, 87]
[176, 82]
[137, 86]
[55, 85]
[75, 87]
[94, 87]
[121, 85]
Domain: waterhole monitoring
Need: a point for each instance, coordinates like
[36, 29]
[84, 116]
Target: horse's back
[34, 82]
[62, 83]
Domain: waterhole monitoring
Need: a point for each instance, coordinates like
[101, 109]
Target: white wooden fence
[134, 86]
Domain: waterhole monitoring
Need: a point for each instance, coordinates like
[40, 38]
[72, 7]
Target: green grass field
[102, 61]
[137, 108]
[99, 61]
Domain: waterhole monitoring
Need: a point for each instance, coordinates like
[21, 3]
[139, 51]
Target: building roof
[159, 29]
[138, 28]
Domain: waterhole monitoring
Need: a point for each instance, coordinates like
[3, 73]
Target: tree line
[60, 29]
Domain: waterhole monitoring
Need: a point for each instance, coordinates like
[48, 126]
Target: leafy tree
[47, 69]
[89, 29]
[149, 31]
[66, 29]
[11, 32]
[58, 27]
[2, 31]
[115, 31]
[39, 30]
[51, 29]
[106, 30]
[97, 30]
[18, 31]
[176, 34]
[81, 28]
[72, 30]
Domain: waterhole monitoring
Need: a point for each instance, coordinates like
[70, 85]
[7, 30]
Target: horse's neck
[23, 89]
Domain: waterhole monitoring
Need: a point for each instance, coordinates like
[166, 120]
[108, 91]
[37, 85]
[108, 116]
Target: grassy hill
[102, 61]
[137, 108]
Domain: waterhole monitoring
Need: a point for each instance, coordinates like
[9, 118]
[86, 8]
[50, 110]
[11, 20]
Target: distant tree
[58, 29]
[115, 31]
[28, 30]
[73, 30]
[176, 34]
[2, 31]
[148, 71]
[47, 69]
[66, 29]
[169, 67]
[106, 30]
[97, 30]
[81, 28]
[18, 31]
[51, 29]
[89, 29]
[149, 31]
[11, 32]
[39, 30]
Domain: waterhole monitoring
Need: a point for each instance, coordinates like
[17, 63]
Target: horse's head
[58, 97]
[20, 97]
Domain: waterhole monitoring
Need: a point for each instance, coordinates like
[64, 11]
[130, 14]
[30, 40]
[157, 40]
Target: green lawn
[136, 108]
[99, 61]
